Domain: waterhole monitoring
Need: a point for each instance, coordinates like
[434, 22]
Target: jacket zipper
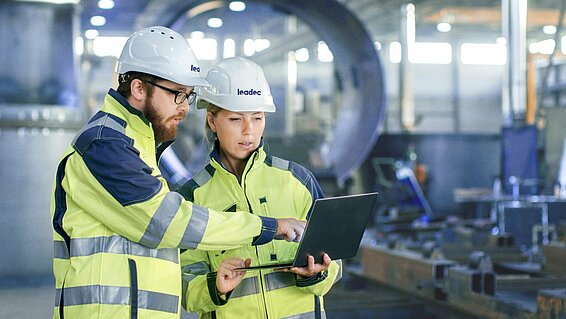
[262, 292]
[271, 244]
[244, 184]
[133, 289]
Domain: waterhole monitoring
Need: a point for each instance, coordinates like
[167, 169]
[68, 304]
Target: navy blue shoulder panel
[301, 173]
[101, 125]
[113, 160]
[187, 190]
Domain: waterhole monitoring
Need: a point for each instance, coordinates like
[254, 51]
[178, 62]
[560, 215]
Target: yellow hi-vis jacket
[118, 228]
[272, 187]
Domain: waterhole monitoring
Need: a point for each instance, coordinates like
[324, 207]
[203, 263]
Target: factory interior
[452, 110]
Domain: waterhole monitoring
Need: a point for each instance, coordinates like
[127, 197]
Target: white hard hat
[162, 52]
[238, 85]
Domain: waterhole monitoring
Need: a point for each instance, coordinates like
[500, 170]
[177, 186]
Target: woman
[241, 176]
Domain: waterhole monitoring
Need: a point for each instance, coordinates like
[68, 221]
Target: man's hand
[227, 278]
[311, 269]
[290, 229]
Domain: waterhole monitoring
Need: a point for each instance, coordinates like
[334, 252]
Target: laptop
[335, 226]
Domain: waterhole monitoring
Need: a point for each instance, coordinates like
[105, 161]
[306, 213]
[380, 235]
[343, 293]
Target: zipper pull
[273, 254]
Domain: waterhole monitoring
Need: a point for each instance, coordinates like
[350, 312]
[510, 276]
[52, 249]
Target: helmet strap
[123, 78]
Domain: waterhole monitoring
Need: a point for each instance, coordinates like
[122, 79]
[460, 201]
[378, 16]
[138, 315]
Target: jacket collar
[257, 155]
[116, 104]
[124, 102]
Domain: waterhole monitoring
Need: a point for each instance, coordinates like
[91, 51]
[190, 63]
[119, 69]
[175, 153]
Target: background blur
[466, 95]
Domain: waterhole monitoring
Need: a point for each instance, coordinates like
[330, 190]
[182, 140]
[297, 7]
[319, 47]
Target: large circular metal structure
[358, 74]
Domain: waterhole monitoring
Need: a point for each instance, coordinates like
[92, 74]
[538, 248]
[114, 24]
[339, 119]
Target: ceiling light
[483, 54]
[98, 21]
[215, 22]
[91, 34]
[249, 47]
[549, 29]
[108, 46]
[106, 4]
[79, 45]
[261, 44]
[229, 48]
[377, 45]
[197, 35]
[444, 27]
[302, 55]
[237, 6]
[324, 53]
[395, 52]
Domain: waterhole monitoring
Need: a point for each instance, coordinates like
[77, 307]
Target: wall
[29, 161]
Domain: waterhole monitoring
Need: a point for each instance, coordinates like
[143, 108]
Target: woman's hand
[311, 269]
[227, 277]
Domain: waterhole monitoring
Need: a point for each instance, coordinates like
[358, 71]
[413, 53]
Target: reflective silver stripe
[191, 271]
[339, 274]
[57, 297]
[85, 295]
[60, 250]
[248, 286]
[200, 268]
[307, 315]
[278, 280]
[279, 163]
[161, 219]
[113, 295]
[157, 301]
[103, 121]
[195, 229]
[119, 245]
[202, 177]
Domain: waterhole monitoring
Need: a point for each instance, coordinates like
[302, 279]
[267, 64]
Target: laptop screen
[336, 226]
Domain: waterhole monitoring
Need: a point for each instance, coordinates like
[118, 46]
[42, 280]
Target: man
[117, 227]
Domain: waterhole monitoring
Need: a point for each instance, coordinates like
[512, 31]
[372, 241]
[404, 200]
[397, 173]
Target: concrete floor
[349, 299]
[25, 299]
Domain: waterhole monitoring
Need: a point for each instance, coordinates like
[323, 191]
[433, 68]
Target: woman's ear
[210, 118]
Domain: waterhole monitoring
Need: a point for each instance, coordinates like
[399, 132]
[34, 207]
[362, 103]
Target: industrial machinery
[466, 268]
[511, 264]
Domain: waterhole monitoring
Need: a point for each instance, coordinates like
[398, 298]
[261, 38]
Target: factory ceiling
[381, 16]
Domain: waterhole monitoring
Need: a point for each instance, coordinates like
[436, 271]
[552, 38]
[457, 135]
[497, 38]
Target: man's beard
[160, 130]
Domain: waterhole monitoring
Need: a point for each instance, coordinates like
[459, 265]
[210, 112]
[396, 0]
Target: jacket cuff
[213, 292]
[313, 280]
[268, 230]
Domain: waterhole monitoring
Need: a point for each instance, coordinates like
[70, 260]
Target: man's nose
[185, 107]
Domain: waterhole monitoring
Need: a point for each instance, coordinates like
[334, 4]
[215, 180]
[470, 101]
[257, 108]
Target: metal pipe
[406, 98]
[514, 25]
[291, 85]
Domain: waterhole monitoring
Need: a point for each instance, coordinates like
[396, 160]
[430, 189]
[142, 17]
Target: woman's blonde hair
[208, 133]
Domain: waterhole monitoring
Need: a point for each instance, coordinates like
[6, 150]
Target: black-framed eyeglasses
[180, 96]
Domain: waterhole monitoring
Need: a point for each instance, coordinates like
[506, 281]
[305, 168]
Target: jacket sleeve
[111, 183]
[196, 274]
[321, 283]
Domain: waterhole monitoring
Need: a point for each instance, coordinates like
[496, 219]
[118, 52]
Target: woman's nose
[248, 127]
